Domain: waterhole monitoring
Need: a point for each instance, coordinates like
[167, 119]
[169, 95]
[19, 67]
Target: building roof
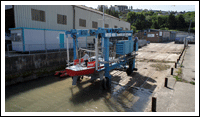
[96, 11]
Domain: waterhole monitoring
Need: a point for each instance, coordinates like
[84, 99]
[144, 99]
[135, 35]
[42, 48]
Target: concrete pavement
[179, 96]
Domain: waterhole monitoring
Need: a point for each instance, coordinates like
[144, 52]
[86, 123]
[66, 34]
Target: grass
[152, 60]
[179, 77]
[160, 67]
[193, 83]
[179, 71]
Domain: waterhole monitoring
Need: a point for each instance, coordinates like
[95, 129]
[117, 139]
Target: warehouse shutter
[38, 15]
[61, 19]
[94, 24]
[82, 22]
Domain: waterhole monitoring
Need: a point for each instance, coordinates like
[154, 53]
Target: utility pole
[103, 16]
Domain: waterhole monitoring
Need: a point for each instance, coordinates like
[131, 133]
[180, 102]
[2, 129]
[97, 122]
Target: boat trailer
[111, 52]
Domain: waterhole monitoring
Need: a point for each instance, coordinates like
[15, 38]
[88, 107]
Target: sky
[177, 8]
[154, 5]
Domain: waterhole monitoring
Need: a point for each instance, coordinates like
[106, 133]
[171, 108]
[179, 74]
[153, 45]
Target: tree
[171, 21]
[155, 24]
[133, 28]
[181, 22]
[131, 17]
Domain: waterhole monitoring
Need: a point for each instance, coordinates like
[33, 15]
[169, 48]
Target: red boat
[78, 70]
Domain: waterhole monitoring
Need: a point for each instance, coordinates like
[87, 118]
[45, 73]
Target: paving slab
[188, 68]
[183, 98]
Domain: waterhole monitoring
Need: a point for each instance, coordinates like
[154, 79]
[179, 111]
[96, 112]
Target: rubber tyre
[128, 71]
[78, 79]
[105, 83]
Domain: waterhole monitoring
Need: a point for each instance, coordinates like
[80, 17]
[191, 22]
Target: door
[61, 36]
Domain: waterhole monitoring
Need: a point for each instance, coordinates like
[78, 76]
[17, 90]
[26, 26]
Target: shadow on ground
[130, 97]
[94, 92]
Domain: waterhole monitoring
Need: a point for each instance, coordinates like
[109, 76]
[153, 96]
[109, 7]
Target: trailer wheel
[78, 79]
[128, 71]
[105, 83]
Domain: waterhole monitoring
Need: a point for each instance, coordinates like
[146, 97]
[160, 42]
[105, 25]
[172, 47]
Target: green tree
[181, 22]
[171, 22]
[133, 28]
[131, 17]
[155, 24]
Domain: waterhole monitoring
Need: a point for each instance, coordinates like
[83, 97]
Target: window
[61, 19]
[82, 22]
[94, 24]
[122, 28]
[115, 26]
[16, 37]
[38, 15]
[106, 25]
[126, 28]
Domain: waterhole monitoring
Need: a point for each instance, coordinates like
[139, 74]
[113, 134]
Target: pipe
[67, 52]
[96, 52]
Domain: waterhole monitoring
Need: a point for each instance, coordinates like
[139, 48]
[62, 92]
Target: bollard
[153, 107]
[172, 70]
[7, 50]
[166, 81]
[175, 65]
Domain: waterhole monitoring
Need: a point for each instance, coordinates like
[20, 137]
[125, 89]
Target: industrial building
[27, 23]
[157, 36]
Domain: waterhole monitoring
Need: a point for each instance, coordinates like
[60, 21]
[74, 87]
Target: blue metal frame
[61, 40]
[35, 29]
[23, 40]
[106, 33]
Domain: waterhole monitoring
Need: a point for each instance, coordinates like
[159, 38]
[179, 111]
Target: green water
[55, 94]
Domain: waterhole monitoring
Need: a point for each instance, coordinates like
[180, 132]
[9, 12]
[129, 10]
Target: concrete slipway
[128, 93]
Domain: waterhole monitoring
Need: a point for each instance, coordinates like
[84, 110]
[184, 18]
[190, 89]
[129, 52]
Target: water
[55, 94]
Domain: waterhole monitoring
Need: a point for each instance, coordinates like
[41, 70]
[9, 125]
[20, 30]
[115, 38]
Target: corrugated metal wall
[23, 16]
[90, 16]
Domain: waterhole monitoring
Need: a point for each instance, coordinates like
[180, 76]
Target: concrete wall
[28, 62]
[27, 67]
